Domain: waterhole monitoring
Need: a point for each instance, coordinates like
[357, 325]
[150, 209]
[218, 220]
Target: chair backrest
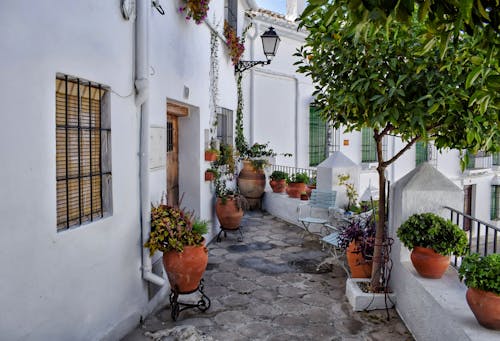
[322, 199]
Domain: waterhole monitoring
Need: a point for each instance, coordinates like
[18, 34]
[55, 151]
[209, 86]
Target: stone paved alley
[267, 287]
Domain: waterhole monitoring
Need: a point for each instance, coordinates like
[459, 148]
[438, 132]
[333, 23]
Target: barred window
[422, 152]
[225, 125]
[318, 130]
[369, 147]
[495, 203]
[83, 152]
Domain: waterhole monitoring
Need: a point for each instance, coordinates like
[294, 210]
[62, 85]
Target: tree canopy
[466, 33]
[397, 79]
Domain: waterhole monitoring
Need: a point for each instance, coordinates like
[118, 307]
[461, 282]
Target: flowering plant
[361, 230]
[236, 47]
[172, 228]
[195, 9]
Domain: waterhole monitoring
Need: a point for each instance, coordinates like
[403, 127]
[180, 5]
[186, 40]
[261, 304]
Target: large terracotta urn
[185, 269]
[229, 213]
[428, 263]
[485, 306]
[251, 183]
[294, 189]
[359, 266]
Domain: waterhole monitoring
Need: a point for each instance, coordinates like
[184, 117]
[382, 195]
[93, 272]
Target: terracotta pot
[185, 269]
[360, 268]
[295, 188]
[486, 307]
[252, 183]
[228, 213]
[304, 196]
[209, 176]
[210, 156]
[428, 263]
[278, 186]
[309, 189]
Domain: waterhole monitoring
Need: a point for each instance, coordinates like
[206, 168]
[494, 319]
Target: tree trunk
[380, 231]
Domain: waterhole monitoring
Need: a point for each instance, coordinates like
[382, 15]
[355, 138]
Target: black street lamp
[270, 42]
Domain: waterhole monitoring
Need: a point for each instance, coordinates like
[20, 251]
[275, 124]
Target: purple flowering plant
[195, 9]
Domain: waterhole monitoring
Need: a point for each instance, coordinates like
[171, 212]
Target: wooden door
[467, 206]
[172, 160]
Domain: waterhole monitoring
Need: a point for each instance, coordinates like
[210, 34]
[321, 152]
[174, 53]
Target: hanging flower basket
[235, 46]
[195, 9]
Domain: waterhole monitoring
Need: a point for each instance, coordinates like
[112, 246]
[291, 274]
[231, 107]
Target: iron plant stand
[176, 307]
[225, 230]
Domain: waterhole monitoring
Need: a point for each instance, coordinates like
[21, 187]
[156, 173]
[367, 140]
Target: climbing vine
[241, 144]
[214, 81]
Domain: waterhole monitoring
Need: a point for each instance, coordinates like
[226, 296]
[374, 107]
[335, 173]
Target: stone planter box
[361, 301]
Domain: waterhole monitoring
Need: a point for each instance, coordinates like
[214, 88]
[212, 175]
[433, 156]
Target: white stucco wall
[79, 283]
[276, 97]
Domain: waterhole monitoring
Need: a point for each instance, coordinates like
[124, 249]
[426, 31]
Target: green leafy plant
[352, 194]
[298, 178]
[481, 272]
[172, 228]
[226, 162]
[434, 232]
[278, 175]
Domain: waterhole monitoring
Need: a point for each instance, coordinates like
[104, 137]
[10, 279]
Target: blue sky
[278, 6]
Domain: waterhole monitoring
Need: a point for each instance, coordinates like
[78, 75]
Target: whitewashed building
[83, 82]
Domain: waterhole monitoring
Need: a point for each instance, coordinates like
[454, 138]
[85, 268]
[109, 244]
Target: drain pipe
[142, 102]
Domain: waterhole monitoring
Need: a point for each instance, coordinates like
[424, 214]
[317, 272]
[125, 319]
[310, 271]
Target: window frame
[318, 137]
[83, 152]
[495, 202]
[225, 130]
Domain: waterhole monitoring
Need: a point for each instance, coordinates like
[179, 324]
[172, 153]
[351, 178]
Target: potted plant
[358, 239]
[211, 154]
[433, 239]
[211, 174]
[482, 274]
[296, 184]
[304, 196]
[278, 181]
[252, 179]
[229, 205]
[180, 237]
[195, 9]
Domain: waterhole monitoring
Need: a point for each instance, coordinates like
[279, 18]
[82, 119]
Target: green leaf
[433, 109]
[483, 13]
[493, 82]
[466, 9]
[472, 76]
[476, 60]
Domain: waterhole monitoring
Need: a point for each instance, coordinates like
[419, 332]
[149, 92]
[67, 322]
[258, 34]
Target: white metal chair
[319, 202]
